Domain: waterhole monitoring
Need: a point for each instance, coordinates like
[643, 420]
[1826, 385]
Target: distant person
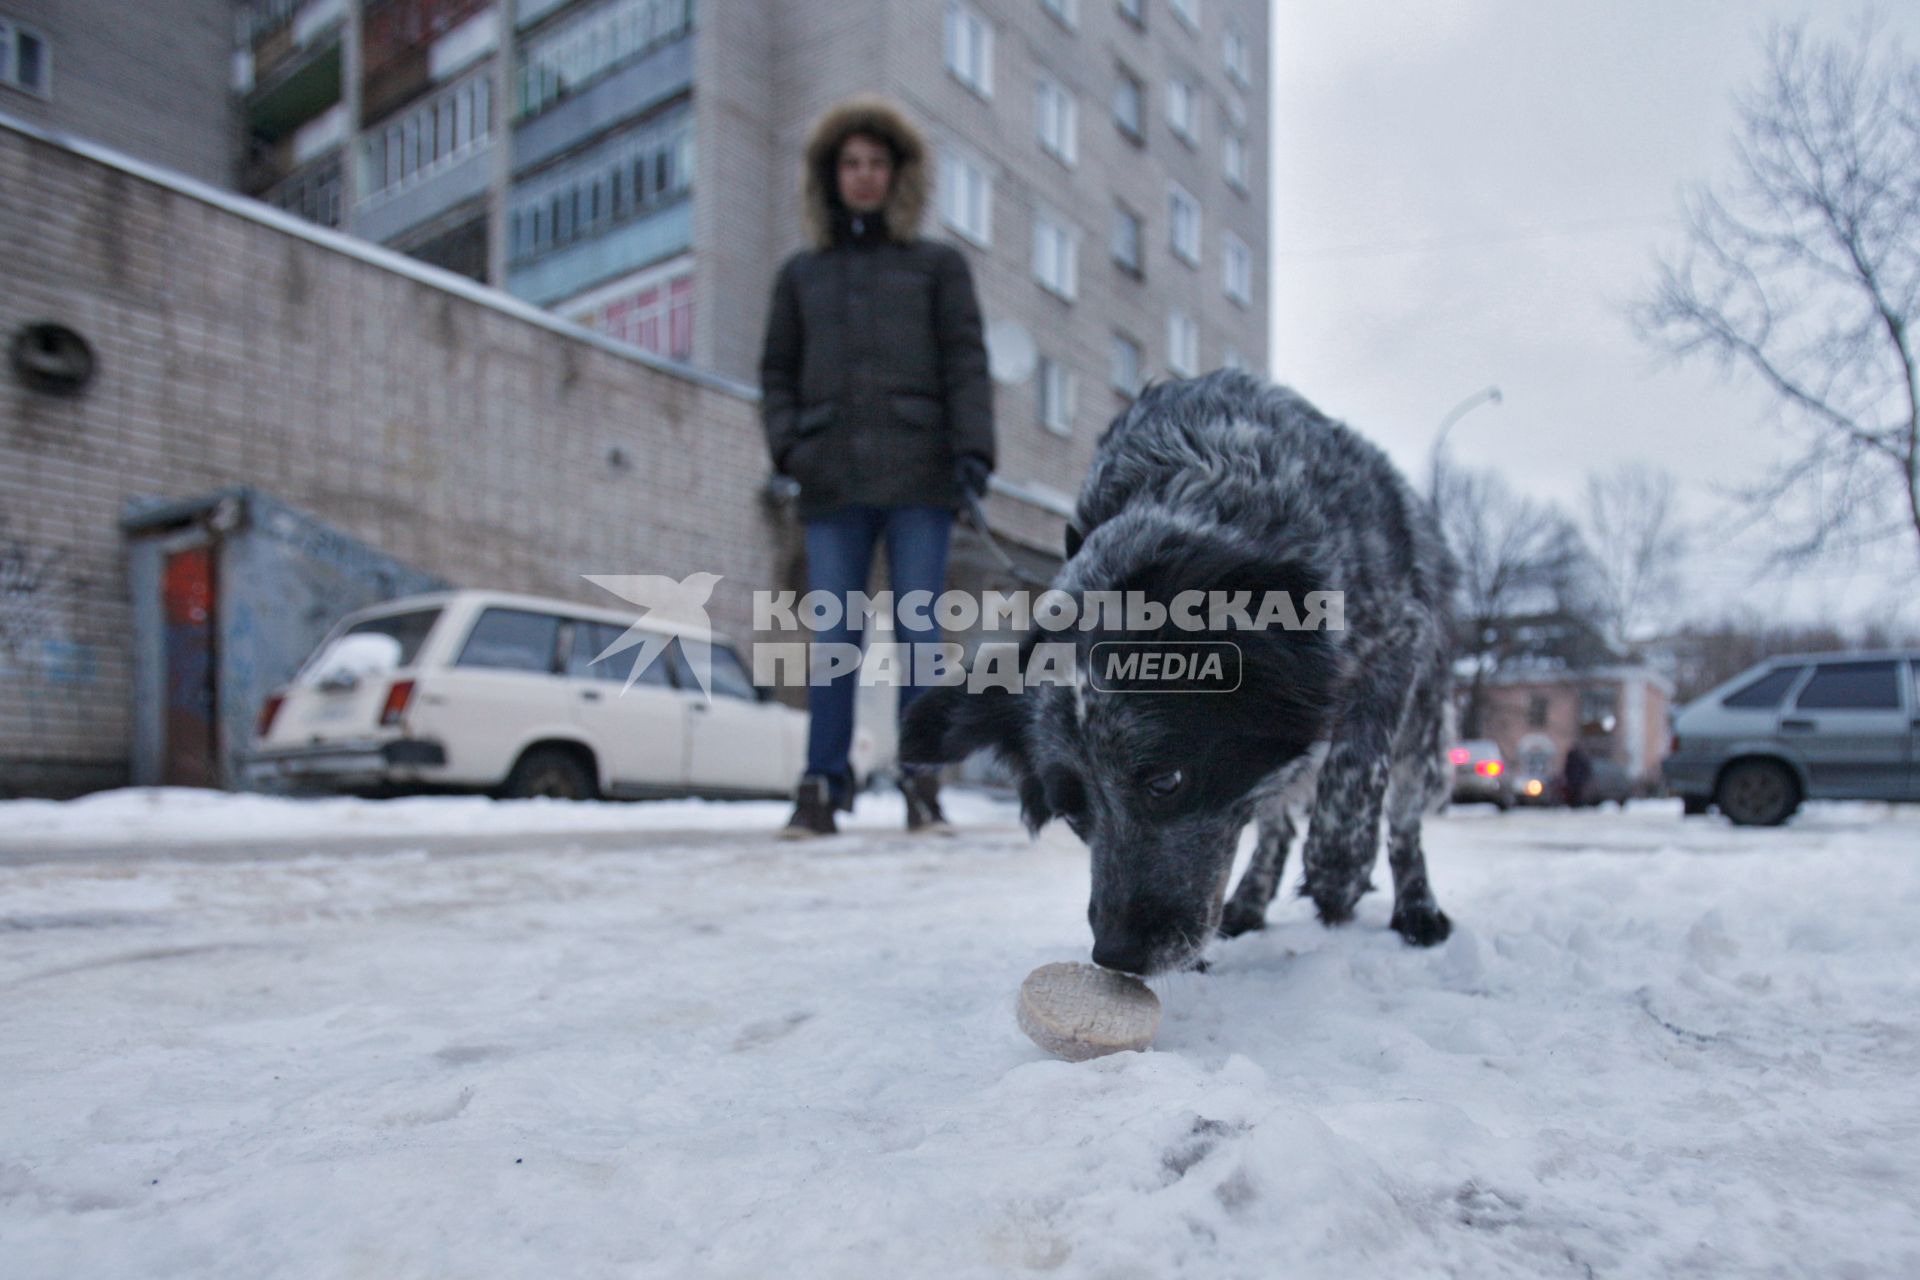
[876, 400]
[1576, 774]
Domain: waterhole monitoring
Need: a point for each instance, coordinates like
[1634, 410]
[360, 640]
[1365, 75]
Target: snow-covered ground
[1652, 1047]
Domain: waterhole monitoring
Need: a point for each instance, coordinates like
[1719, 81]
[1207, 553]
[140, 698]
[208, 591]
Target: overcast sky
[1469, 192]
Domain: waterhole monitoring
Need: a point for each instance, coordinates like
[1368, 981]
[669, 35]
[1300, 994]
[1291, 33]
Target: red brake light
[1488, 768]
[1460, 755]
[268, 710]
[399, 694]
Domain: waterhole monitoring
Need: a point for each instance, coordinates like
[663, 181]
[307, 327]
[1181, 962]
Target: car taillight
[1488, 768]
[399, 694]
[1673, 748]
[1460, 755]
[268, 710]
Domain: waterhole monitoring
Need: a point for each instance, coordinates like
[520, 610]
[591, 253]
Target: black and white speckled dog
[1224, 483]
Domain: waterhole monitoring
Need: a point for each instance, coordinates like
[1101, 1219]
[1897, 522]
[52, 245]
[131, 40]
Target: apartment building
[148, 79]
[633, 165]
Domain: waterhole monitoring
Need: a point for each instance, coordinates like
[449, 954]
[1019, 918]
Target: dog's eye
[1162, 785]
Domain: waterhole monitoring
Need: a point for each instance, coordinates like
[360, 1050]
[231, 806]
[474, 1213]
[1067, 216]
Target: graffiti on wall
[33, 635]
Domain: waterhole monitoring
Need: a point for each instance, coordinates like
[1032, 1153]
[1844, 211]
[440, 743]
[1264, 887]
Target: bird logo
[678, 603]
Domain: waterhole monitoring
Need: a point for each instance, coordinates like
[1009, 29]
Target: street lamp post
[1486, 395]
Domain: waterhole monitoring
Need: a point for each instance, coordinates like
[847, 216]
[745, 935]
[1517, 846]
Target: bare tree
[1804, 271]
[1516, 556]
[1634, 535]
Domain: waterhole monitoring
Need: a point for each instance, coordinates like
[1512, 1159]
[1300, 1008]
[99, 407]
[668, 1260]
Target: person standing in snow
[1575, 775]
[876, 400]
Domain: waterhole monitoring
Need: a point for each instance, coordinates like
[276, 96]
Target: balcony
[565, 273]
[298, 87]
[427, 160]
[654, 78]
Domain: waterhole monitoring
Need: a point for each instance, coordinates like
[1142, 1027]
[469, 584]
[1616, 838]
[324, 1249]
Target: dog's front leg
[1343, 839]
[1247, 909]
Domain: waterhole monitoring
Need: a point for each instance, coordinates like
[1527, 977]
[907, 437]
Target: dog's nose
[1122, 953]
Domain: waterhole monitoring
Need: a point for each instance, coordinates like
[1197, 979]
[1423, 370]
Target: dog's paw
[1241, 917]
[1422, 926]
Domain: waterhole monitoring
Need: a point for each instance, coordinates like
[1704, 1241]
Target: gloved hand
[970, 472]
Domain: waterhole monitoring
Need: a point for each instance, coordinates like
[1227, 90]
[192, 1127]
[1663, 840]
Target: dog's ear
[948, 723]
[1287, 673]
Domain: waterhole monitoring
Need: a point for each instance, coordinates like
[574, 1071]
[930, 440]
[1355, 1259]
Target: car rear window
[512, 640]
[410, 629]
[1765, 693]
[1851, 686]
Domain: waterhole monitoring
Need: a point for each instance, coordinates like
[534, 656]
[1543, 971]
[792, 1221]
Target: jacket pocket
[923, 412]
[812, 421]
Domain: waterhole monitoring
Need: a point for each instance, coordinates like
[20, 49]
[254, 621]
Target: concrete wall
[451, 428]
[149, 78]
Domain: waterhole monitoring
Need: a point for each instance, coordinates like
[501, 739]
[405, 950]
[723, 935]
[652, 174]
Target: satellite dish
[1010, 351]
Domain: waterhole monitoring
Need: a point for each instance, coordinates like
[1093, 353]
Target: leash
[977, 517]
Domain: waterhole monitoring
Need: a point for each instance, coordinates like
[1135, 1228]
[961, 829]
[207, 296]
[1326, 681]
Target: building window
[26, 60]
[1065, 12]
[1183, 224]
[1134, 11]
[1232, 359]
[1183, 344]
[1057, 118]
[629, 177]
[563, 60]
[966, 197]
[1183, 115]
[1127, 234]
[432, 136]
[1596, 709]
[1234, 52]
[1236, 264]
[655, 316]
[970, 48]
[1130, 105]
[1537, 711]
[1233, 161]
[1126, 361]
[1055, 251]
[1188, 11]
[1056, 396]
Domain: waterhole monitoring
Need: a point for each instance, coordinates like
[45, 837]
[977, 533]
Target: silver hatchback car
[1815, 726]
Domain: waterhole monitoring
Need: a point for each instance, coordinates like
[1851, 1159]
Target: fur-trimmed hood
[879, 118]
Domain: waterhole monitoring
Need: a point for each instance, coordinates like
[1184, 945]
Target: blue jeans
[839, 552]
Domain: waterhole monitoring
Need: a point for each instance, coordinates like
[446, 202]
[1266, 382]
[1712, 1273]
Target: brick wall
[468, 438]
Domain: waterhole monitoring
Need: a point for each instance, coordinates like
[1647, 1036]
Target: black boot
[922, 790]
[812, 810]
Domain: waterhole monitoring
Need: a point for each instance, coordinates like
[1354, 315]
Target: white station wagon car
[483, 690]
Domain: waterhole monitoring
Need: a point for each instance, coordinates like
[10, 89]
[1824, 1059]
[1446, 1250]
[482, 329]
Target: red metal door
[189, 755]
